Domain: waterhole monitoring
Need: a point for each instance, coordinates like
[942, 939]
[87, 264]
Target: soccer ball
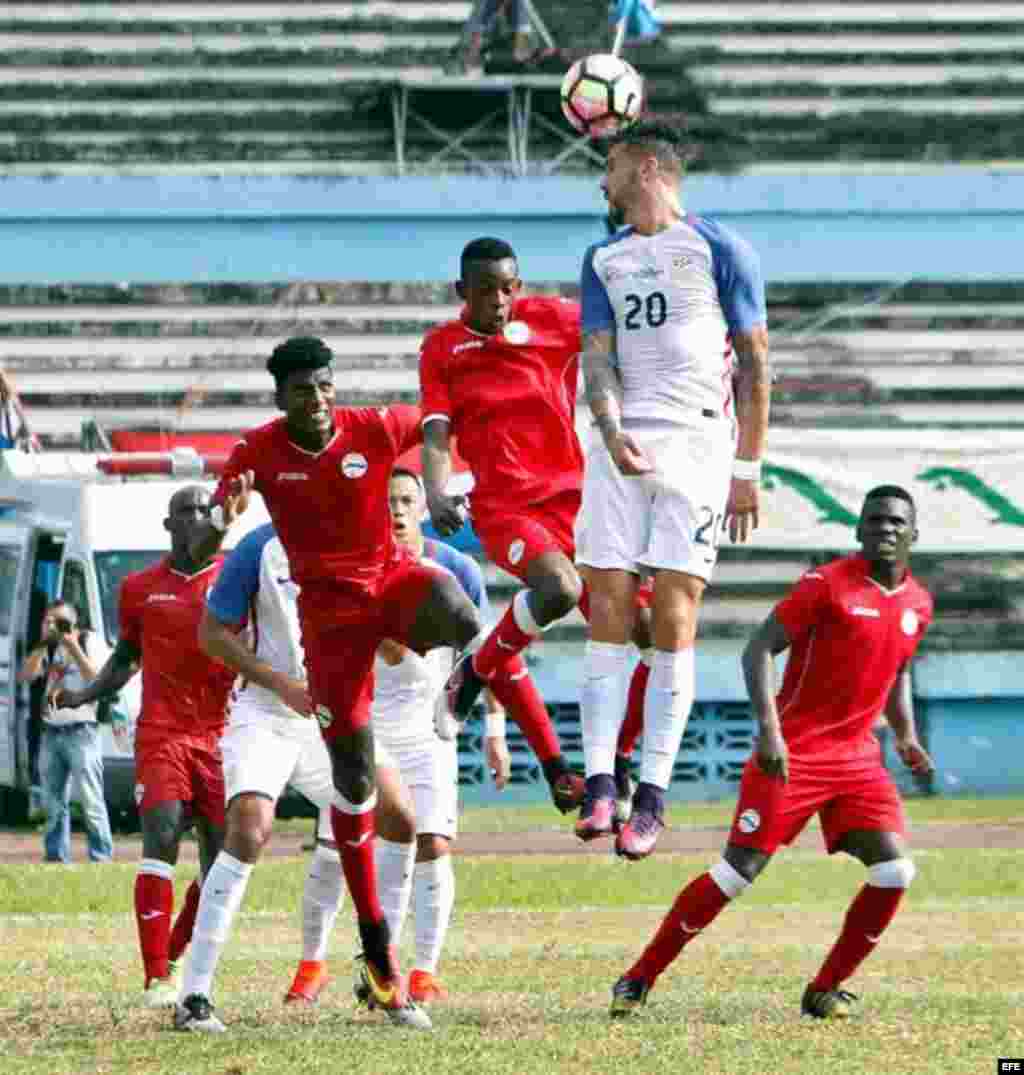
[601, 94]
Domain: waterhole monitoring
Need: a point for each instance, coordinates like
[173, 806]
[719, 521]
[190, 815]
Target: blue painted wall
[958, 223]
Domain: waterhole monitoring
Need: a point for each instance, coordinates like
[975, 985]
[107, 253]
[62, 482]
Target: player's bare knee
[352, 767]
[895, 873]
[556, 595]
[746, 862]
[160, 834]
[430, 847]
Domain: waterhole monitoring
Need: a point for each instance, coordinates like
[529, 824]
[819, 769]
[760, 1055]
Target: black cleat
[827, 1003]
[628, 994]
[195, 1013]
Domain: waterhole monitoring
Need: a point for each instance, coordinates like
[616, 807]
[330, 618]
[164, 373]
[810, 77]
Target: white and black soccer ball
[601, 94]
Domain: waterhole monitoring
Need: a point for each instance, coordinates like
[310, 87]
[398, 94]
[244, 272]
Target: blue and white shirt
[673, 299]
[404, 694]
[255, 588]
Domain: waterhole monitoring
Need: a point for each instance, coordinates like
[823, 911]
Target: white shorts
[671, 519]
[429, 769]
[263, 756]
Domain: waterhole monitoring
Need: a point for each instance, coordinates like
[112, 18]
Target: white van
[69, 530]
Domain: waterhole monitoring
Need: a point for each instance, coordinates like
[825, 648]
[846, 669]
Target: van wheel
[14, 806]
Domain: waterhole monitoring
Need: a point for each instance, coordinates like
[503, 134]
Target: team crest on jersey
[324, 716]
[517, 332]
[354, 465]
[516, 550]
[749, 821]
[909, 622]
[680, 262]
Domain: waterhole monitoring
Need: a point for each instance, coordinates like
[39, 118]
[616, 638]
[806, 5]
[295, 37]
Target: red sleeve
[434, 397]
[803, 607]
[403, 426]
[130, 613]
[238, 462]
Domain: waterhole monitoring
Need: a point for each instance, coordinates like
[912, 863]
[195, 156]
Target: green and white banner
[968, 486]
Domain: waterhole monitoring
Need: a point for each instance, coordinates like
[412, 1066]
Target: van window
[111, 569]
[9, 555]
[73, 590]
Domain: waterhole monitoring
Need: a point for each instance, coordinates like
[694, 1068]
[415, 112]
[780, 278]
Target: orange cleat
[424, 988]
[310, 979]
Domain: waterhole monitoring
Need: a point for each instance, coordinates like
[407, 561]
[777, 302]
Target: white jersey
[255, 588]
[404, 694]
[673, 300]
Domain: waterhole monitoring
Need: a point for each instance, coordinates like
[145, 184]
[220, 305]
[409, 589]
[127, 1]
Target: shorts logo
[517, 332]
[909, 622]
[516, 550]
[749, 821]
[354, 465]
[140, 790]
[324, 716]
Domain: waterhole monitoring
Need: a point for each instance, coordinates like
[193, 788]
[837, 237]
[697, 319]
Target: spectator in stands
[14, 429]
[489, 25]
[71, 749]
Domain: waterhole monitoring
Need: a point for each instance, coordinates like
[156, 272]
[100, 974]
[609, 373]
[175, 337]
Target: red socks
[154, 904]
[515, 690]
[181, 934]
[633, 723]
[869, 914]
[355, 835]
[696, 906]
[506, 641]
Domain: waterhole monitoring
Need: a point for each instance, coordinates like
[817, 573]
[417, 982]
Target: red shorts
[515, 540]
[180, 769]
[770, 813]
[341, 630]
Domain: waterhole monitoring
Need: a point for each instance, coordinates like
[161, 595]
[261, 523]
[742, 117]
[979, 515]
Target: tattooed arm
[604, 396]
[753, 402]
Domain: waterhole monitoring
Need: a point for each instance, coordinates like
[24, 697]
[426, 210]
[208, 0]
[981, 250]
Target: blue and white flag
[641, 22]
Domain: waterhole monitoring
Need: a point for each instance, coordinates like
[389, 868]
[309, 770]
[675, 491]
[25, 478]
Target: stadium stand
[258, 85]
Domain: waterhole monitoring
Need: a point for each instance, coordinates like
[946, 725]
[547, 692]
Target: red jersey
[510, 400]
[184, 692]
[849, 638]
[330, 508]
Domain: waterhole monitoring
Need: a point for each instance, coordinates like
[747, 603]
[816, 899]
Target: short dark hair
[405, 472]
[663, 142]
[486, 248]
[298, 353]
[896, 492]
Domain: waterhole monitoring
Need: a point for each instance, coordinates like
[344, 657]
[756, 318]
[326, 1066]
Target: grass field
[535, 945]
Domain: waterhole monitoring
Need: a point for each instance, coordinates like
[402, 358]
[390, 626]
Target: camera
[65, 627]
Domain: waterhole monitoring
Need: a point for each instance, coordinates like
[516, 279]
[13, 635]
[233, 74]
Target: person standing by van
[71, 751]
[179, 780]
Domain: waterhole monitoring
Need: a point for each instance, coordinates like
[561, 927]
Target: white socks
[667, 704]
[219, 900]
[394, 882]
[606, 672]
[322, 895]
[434, 895]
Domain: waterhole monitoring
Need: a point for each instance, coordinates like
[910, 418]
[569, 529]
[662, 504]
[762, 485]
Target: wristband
[494, 725]
[217, 518]
[748, 470]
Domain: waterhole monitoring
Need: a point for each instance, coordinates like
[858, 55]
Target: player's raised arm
[759, 655]
[604, 397]
[231, 499]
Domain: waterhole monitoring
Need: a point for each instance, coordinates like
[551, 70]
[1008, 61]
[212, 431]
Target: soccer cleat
[162, 992]
[567, 792]
[827, 1003]
[463, 687]
[595, 818]
[424, 988]
[624, 788]
[310, 979]
[628, 994]
[639, 835]
[381, 980]
[195, 1012]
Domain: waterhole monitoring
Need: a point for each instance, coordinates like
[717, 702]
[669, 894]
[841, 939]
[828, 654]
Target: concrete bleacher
[200, 85]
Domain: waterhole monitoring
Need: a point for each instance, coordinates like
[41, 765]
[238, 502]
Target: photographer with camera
[71, 749]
